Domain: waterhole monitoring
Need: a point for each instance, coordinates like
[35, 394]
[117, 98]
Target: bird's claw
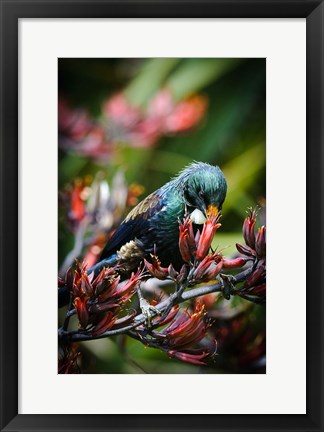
[148, 311]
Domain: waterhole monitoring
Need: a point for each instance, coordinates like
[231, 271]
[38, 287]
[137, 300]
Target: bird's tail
[64, 295]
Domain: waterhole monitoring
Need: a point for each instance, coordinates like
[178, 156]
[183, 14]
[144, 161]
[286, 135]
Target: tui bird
[152, 226]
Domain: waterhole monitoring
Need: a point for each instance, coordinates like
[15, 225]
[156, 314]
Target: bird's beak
[212, 210]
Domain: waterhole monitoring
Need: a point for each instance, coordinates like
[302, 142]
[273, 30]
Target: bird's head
[204, 190]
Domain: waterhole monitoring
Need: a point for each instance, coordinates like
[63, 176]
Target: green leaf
[195, 74]
[149, 80]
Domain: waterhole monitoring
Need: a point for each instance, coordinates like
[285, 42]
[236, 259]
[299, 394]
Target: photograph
[161, 216]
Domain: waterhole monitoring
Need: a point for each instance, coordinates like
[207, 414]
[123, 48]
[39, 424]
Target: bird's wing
[137, 221]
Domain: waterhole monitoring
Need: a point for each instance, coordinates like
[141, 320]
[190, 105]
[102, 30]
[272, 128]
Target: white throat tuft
[198, 217]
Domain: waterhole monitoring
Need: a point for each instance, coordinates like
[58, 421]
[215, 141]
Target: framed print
[149, 152]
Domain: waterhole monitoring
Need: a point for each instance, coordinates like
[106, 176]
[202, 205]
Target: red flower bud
[104, 324]
[105, 273]
[106, 288]
[185, 336]
[188, 358]
[202, 267]
[103, 307]
[82, 311]
[182, 274]
[169, 317]
[86, 287]
[187, 329]
[187, 245]
[245, 250]
[207, 269]
[259, 290]
[155, 268]
[130, 286]
[212, 271]
[207, 236]
[260, 242]
[172, 272]
[257, 277]
[235, 263]
[121, 322]
[248, 228]
[77, 280]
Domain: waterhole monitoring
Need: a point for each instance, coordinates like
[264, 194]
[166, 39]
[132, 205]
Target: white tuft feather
[198, 217]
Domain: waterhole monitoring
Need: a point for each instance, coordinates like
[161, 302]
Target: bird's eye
[201, 193]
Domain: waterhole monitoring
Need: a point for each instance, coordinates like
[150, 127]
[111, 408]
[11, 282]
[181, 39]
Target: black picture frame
[11, 11]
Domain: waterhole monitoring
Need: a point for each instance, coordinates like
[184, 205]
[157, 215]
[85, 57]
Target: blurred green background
[231, 133]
